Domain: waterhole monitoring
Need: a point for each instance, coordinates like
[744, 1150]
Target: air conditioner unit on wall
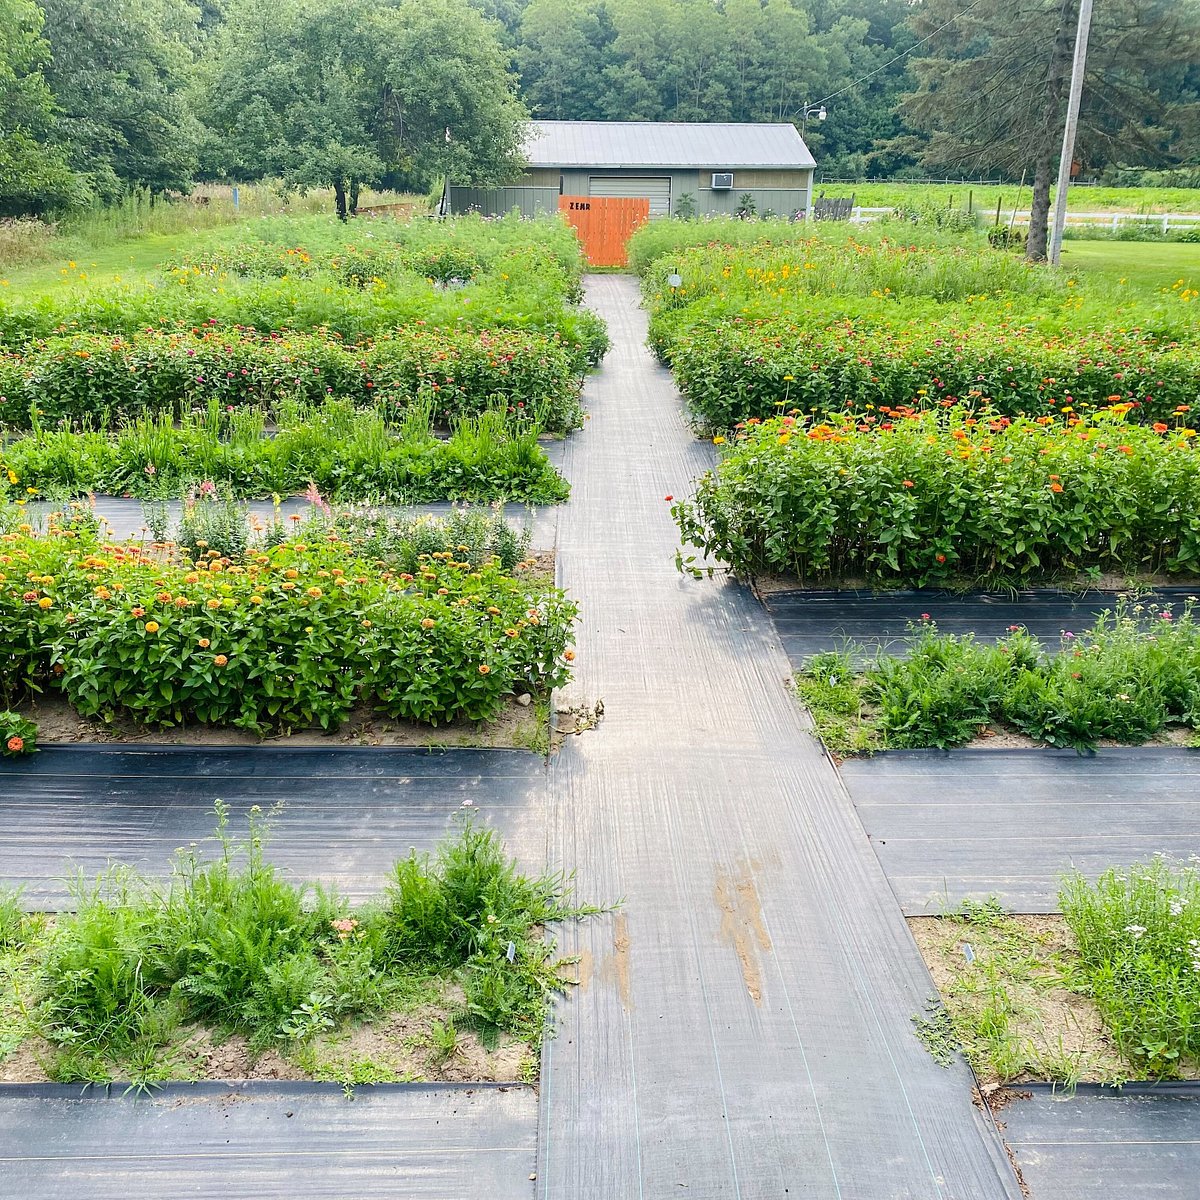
[722, 181]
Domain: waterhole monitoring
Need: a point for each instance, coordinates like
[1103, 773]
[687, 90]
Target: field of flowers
[836, 322]
[906, 496]
[468, 330]
[285, 634]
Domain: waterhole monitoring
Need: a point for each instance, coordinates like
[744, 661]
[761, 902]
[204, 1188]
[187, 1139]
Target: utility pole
[1068, 147]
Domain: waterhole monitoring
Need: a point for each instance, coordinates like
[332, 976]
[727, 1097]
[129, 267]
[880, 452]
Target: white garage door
[657, 190]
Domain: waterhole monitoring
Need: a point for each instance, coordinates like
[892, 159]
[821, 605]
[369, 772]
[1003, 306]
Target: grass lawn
[1146, 266]
[985, 199]
[130, 259]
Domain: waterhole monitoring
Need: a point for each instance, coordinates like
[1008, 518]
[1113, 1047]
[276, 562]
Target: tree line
[102, 97]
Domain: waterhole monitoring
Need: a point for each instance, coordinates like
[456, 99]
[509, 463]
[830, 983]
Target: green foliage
[344, 92]
[1138, 933]
[656, 239]
[928, 497]
[345, 453]
[1136, 671]
[456, 373]
[33, 176]
[471, 906]
[18, 735]
[286, 638]
[311, 274]
[119, 71]
[233, 944]
[895, 326]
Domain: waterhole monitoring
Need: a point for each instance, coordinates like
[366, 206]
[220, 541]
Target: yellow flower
[152, 627]
[718, 440]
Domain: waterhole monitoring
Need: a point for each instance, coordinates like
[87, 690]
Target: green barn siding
[495, 202]
[791, 190]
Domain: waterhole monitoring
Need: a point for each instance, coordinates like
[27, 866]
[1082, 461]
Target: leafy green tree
[564, 50]
[991, 94]
[34, 178]
[342, 93]
[119, 70]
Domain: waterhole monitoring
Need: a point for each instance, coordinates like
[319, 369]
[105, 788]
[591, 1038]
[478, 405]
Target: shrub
[1138, 933]
[290, 637]
[923, 498]
[232, 943]
[345, 453]
[1136, 671]
[18, 736]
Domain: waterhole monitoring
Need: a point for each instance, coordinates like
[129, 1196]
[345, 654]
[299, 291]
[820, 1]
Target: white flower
[1136, 930]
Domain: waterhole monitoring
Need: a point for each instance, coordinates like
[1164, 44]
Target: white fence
[1113, 221]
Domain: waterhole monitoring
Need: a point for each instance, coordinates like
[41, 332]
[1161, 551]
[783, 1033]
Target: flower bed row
[794, 272]
[734, 368]
[924, 497]
[291, 636]
[347, 453]
[126, 984]
[92, 377]
[1129, 677]
[354, 314]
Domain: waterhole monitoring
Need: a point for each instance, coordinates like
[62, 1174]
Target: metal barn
[660, 161]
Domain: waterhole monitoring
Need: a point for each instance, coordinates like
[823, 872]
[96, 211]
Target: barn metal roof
[664, 144]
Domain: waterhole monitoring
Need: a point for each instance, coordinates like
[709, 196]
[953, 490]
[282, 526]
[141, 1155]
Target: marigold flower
[569, 655]
[152, 627]
[138, 612]
[428, 623]
[484, 669]
[203, 643]
[315, 593]
[288, 587]
[908, 483]
[1159, 427]
[1056, 487]
[220, 660]
[213, 604]
[16, 745]
[291, 574]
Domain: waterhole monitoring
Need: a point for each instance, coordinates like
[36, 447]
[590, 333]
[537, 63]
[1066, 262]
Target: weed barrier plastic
[948, 825]
[341, 815]
[1140, 1142]
[267, 1140]
[809, 622]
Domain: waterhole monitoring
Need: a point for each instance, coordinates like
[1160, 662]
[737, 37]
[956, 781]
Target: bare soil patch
[1008, 984]
[518, 726]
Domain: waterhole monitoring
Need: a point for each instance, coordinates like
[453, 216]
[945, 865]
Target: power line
[902, 54]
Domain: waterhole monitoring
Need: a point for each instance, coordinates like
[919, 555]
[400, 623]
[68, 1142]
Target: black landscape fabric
[1140, 1143]
[263, 1140]
[341, 816]
[810, 622]
[1009, 823]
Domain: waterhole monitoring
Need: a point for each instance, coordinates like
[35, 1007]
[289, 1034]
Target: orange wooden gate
[604, 224]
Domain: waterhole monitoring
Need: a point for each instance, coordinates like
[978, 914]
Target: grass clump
[1127, 679]
[231, 945]
[1138, 932]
